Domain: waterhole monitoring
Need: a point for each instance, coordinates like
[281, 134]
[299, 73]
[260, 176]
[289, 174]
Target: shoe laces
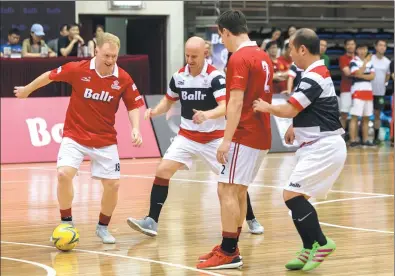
[316, 245]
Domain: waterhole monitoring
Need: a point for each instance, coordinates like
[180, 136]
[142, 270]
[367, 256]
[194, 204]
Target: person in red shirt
[98, 86]
[346, 80]
[280, 68]
[286, 58]
[247, 136]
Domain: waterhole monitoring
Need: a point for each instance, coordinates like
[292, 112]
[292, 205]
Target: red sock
[65, 215]
[238, 233]
[104, 220]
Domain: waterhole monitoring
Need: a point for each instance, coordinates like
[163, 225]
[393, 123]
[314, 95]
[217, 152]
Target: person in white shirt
[381, 66]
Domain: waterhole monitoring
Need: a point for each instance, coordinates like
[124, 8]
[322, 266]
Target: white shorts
[361, 108]
[105, 162]
[183, 150]
[243, 165]
[345, 102]
[318, 166]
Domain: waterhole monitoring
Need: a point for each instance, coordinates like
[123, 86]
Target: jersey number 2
[265, 67]
[223, 169]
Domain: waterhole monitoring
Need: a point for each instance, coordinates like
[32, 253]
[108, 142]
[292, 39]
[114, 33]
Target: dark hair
[348, 40]
[362, 45]
[73, 25]
[309, 39]
[234, 21]
[14, 31]
[99, 26]
[378, 40]
[270, 44]
[62, 27]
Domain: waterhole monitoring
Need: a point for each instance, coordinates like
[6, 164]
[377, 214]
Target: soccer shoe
[255, 227]
[319, 253]
[219, 260]
[216, 248]
[299, 262]
[147, 226]
[103, 233]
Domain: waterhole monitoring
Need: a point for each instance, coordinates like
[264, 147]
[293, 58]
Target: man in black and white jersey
[200, 88]
[316, 126]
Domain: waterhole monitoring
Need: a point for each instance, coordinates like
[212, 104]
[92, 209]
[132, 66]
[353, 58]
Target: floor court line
[50, 271]
[120, 256]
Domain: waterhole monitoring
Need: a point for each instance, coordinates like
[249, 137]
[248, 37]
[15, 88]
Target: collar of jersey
[203, 72]
[314, 65]
[92, 66]
[247, 43]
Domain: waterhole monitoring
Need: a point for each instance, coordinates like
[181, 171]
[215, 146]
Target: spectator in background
[92, 43]
[381, 66]
[286, 58]
[14, 36]
[208, 52]
[53, 44]
[35, 46]
[346, 81]
[362, 104]
[276, 34]
[323, 47]
[68, 45]
[280, 70]
[291, 31]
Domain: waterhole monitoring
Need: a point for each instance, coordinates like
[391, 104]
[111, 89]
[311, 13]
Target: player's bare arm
[162, 107]
[233, 113]
[283, 110]
[24, 91]
[134, 118]
[201, 116]
[347, 72]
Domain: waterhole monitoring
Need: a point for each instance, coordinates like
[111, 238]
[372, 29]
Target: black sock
[305, 216]
[250, 213]
[229, 242]
[158, 197]
[376, 134]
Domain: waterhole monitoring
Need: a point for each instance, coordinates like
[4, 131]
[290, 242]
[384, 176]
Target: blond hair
[108, 38]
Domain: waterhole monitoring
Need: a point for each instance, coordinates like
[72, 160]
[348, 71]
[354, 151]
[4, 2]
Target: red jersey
[346, 82]
[90, 116]
[286, 61]
[251, 70]
[279, 66]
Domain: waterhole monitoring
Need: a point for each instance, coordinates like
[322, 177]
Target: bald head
[194, 53]
[307, 38]
[195, 42]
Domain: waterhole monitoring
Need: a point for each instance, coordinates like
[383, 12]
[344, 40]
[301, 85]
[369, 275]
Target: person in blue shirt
[14, 36]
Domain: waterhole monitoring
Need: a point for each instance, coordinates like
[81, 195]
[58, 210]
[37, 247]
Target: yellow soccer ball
[65, 237]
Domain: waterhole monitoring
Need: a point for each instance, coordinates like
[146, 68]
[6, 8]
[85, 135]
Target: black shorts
[378, 102]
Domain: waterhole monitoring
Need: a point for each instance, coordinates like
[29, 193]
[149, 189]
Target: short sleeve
[239, 77]
[307, 91]
[353, 67]
[292, 71]
[171, 93]
[64, 73]
[218, 84]
[131, 96]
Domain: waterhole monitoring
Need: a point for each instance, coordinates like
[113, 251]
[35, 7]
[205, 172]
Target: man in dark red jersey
[98, 85]
[247, 136]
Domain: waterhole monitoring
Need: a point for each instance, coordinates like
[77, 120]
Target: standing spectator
[280, 70]
[381, 66]
[362, 104]
[92, 43]
[323, 47]
[33, 46]
[346, 81]
[13, 42]
[53, 44]
[68, 45]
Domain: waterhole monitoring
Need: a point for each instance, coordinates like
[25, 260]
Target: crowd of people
[68, 43]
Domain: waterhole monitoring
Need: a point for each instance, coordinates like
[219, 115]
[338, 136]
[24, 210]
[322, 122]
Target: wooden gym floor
[358, 214]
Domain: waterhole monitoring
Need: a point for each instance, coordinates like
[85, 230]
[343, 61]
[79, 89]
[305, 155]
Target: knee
[164, 172]
[287, 195]
[64, 176]
[226, 192]
[111, 185]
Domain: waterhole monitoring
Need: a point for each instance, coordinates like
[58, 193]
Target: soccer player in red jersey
[98, 86]
[247, 136]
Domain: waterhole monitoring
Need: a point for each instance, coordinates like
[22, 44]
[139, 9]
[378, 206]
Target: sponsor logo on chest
[103, 96]
[196, 96]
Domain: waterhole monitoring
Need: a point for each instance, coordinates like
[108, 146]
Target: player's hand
[289, 136]
[261, 106]
[21, 92]
[137, 140]
[368, 58]
[199, 116]
[222, 152]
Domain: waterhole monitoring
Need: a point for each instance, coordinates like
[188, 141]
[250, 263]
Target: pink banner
[31, 130]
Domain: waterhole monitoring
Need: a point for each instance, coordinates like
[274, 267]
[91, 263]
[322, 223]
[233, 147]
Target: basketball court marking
[120, 256]
[50, 271]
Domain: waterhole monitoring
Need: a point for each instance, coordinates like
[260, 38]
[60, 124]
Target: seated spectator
[208, 51]
[92, 43]
[291, 30]
[275, 37]
[53, 44]
[323, 47]
[13, 42]
[280, 70]
[35, 46]
[68, 45]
